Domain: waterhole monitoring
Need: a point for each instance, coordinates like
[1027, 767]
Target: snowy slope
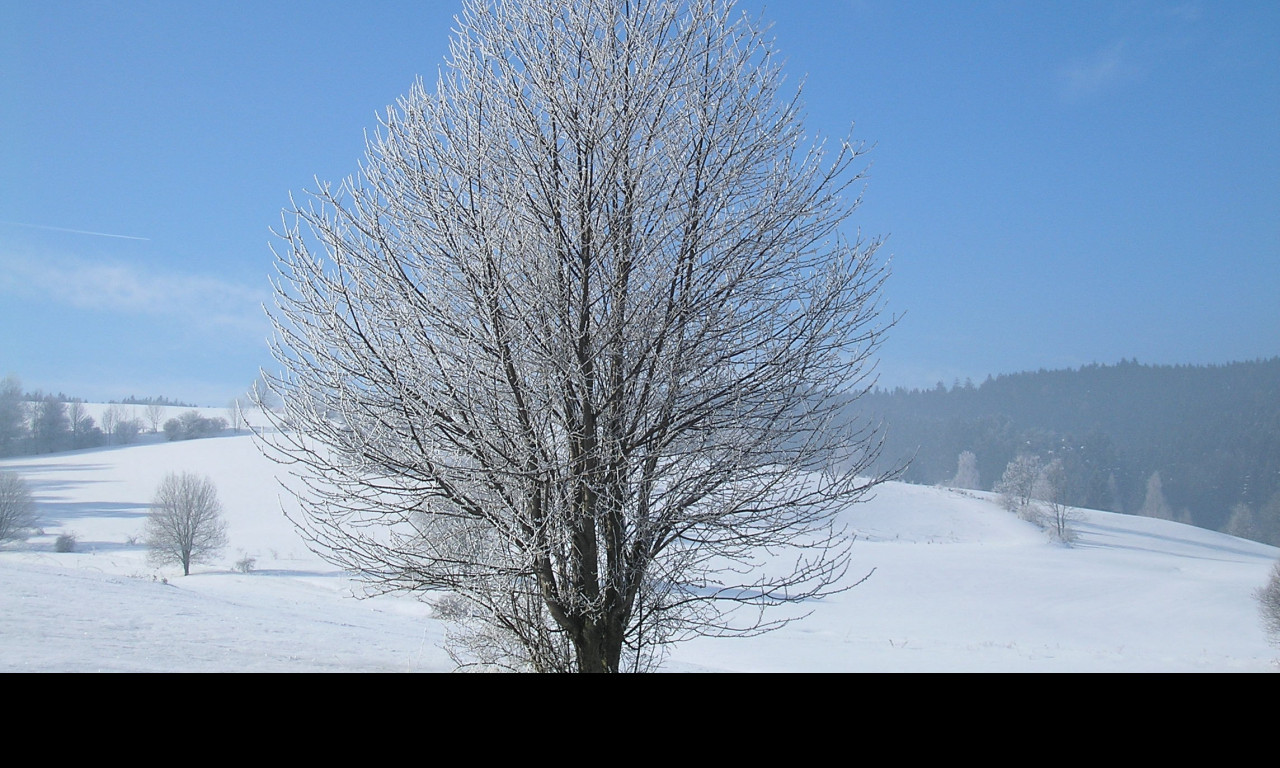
[956, 584]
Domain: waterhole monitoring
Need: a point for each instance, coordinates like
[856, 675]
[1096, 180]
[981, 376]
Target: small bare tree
[17, 508]
[155, 416]
[112, 417]
[1051, 488]
[185, 525]
[78, 421]
[576, 344]
[235, 414]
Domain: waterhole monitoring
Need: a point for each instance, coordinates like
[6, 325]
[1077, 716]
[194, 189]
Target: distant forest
[1199, 444]
[36, 422]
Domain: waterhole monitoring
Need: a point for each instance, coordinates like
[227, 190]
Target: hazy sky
[1061, 182]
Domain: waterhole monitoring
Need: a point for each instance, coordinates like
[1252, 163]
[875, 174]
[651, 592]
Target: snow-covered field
[958, 585]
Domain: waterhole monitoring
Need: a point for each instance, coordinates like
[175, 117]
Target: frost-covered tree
[1036, 491]
[1154, 504]
[259, 395]
[1051, 489]
[185, 524]
[1242, 522]
[235, 414]
[1017, 486]
[155, 416]
[967, 472]
[121, 425]
[111, 416]
[1261, 525]
[573, 346]
[17, 508]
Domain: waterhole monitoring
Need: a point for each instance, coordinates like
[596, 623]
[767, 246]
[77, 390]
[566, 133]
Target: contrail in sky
[75, 231]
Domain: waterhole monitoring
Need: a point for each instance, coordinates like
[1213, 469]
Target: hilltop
[956, 584]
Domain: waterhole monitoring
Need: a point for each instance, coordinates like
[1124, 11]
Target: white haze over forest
[956, 584]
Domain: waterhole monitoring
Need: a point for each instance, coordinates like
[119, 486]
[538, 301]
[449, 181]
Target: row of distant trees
[35, 422]
[160, 401]
[1197, 444]
[1039, 490]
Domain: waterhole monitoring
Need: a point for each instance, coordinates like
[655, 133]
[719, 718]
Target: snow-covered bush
[191, 426]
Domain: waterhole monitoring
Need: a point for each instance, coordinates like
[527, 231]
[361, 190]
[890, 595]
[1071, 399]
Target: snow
[956, 584]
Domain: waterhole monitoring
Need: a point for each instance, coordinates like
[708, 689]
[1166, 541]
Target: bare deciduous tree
[574, 345]
[259, 394]
[17, 508]
[1051, 488]
[1037, 492]
[83, 432]
[235, 414]
[155, 416]
[111, 417]
[185, 525]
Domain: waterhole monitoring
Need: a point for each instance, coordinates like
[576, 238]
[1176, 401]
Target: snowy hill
[958, 585]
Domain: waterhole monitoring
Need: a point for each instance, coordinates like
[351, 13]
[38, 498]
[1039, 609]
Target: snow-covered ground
[958, 585]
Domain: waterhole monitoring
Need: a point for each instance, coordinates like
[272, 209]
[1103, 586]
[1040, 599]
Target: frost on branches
[572, 349]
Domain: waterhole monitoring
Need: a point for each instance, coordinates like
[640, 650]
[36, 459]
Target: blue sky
[1061, 182]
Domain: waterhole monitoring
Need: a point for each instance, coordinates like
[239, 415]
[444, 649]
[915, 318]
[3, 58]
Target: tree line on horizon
[1195, 443]
[38, 422]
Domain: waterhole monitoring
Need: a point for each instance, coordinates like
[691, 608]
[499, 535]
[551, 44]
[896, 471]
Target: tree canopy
[572, 347]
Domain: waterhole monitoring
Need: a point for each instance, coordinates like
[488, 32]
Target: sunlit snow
[956, 584]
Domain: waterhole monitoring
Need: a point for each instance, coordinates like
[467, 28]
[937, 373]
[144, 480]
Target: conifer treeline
[1212, 433]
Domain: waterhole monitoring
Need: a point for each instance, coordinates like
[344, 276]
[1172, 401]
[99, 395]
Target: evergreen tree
[1155, 505]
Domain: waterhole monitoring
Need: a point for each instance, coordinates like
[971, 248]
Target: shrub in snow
[191, 425]
[66, 542]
